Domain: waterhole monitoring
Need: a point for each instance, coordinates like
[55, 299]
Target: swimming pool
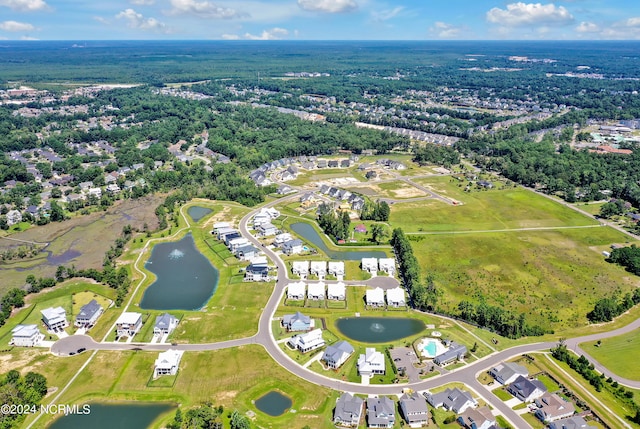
[430, 348]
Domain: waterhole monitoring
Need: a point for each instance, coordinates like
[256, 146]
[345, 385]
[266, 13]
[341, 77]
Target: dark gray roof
[292, 243]
[380, 411]
[522, 387]
[452, 399]
[414, 407]
[334, 351]
[164, 321]
[289, 319]
[455, 351]
[348, 408]
[574, 422]
[89, 310]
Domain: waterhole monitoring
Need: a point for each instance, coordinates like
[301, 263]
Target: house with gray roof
[552, 407]
[88, 314]
[292, 247]
[455, 352]
[336, 354]
[526, 390]
[507, 372]
[414, 409]
[480, 418]
[165, 324]
[381, 412]
[455, 399]
[573, 422]
[348, 410]
[246, 252]
[26, 336]
[297, 322]
[55, 318]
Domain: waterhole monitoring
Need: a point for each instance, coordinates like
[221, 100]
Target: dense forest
[20, 396]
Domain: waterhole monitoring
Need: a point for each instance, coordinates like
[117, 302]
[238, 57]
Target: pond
[307, 232]
[185, 277]
[196, 212]
[273, 403]
[114, 416]
[378, 329]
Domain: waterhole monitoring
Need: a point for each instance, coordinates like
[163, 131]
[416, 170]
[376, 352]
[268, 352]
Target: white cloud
[102, 20]
[204, 9]
[587, 27]
[138, 21]
[15, 26]
[385, 15]
[623, 30]
[522, 14]
[328, 6]
[28, 38]
[25, 5]
[275, 33]
[142, 2]
[442, 30]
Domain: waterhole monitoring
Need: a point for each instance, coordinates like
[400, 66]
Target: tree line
[19, 391]
[378, 211]
[336, 224]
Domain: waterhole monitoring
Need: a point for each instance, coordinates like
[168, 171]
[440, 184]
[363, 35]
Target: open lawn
[233, 378]
[593, 207]
[395, 190]
[615, 353]
[526, 271]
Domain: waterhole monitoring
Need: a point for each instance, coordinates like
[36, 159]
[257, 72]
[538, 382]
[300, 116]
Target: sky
[319, 20]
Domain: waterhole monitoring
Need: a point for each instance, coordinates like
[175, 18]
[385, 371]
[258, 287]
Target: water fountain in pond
[176, 254]
[377, 327]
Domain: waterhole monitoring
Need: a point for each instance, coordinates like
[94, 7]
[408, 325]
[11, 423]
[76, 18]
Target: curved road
[264, 337]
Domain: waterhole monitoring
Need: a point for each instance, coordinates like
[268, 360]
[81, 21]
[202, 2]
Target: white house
[88, 314]
[336, 291]
[128, 324]
[388, 265]
[396, 297]
[224, 231]
[300, 268]
[507, 372]
[236, 243]
[165, 324]
[96, 192]
[26, 336]
[219, 225]
[292, 247]
[308, 341]
[282, 238]
[319, 268]
[13, 217]
[348, 410]
[55, 318]
[267, 229]
[337, 354]
[296, 291]
[370, 265]
[370, 363]
[336, 268]
[167, 363]
[315, 291]
[375, 297]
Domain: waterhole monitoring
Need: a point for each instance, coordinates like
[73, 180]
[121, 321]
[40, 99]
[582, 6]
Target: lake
[273, 403]
[114, 416]
[196, 212]
[378, 329]
[186, 279]
[307, 232]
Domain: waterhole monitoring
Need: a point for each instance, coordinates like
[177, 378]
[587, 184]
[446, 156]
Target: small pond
[307, 232]
[114, 416]
[378, 329]
[196, 212]
[273, 403]
[186, 279]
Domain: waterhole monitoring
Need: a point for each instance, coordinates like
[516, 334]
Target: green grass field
[612, 352]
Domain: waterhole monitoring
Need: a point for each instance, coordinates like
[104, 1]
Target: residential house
[247, 252]
[357, 203]
[370, 265]
[297, 322]
[414, 409]
[307, 200]
[318, 268]
[573, 422]
[336, 268]
[55, 318]
[300, 268]
[348, 410]
[345, 163]
[552, 407]
[375, 297]
[396, 297]
[282, 238]
[315, 291]
[235, 243]
[257, 272]
[165, 324]
[128, 324]
[526, 390]
[296, 291]
[308, 341]
[507, 372]
[113, 188]
[455, 400]
[222, 232]
[454, 353]
[13, 217]
[485, 184]
[388, 265]
[219, 225]
[308, 165]
[371, 174]
[477, 418]
[371, 363]
[167, 363]
[361, 228]
[381, 412]
[333, 163]
[322, 163]
[26, 336]
[95, 192]
[292, 247]
[88, 314]
[336, 291]
[267, 229]
[337, 354]
[284, 190]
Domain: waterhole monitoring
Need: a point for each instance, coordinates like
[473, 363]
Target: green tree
[379, 233]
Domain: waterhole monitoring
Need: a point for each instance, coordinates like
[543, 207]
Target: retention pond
[307, 232]
[378, 329]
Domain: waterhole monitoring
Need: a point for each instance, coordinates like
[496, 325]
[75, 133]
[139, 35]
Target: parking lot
[405, 357]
